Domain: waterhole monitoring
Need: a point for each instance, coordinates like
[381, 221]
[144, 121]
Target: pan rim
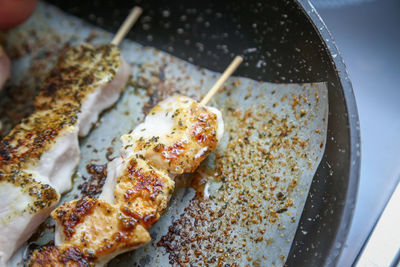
[354, 155]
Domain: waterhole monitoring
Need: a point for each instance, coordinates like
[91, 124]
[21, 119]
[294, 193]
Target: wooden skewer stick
[127, 25]
[228, 72]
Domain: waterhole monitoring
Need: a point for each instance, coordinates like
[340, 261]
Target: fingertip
[15, 12]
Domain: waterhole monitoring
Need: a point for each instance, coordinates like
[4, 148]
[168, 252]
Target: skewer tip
[127, 25]
[228, 72]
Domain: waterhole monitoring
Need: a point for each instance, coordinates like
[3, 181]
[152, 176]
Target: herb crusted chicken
[174, 138]
[38, 157]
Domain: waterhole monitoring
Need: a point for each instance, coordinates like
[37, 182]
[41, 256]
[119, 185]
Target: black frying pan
[297, 47]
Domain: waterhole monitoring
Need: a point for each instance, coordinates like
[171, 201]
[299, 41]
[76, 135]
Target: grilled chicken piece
[90, 78]
[5, 67]
[138, 186]
[38, 157]
[177, 135]
[94, 229]
[140, 189]
[99, 230]
[44, 145]
[25, 203]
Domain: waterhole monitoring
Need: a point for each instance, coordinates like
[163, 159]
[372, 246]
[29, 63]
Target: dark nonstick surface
[296, 47]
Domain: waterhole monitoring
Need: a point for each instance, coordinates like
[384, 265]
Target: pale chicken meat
[38, 157]
[138, 186]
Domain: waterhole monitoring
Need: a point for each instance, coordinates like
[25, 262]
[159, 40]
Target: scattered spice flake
[93, 35]
[248, 197]
[316, 96]
[109, 152]
[295, 101]
[93, 185]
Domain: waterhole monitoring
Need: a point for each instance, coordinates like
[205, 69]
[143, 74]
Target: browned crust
[143, 192]
[78, 72]
[71, 215]
[146, 185]
[54, 256]
[203, 133]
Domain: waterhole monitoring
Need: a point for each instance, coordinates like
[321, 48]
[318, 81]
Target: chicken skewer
[38, 157]
[175, 137]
